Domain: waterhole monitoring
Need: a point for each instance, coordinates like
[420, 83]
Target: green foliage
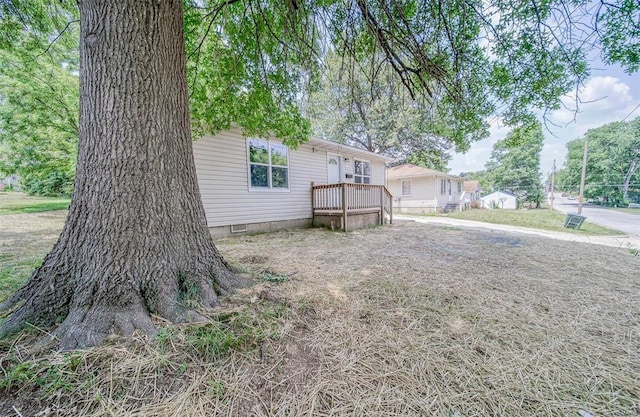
[238, 331]
[188, 292]
[273, 277]
[247, 62]
[410, 79]
[620, 36]
[613, 164]
[514, 165]
[39, 103]
[51, 377]
[382, 117]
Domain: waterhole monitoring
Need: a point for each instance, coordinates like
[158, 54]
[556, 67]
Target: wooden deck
[353, 205]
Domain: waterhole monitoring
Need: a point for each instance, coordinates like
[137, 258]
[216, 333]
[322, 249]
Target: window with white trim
[268, 165]
[362, 172]
[443, 186]
[459, 187]
[406, 187]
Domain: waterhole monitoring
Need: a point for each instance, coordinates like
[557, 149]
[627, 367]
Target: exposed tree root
[88, 312]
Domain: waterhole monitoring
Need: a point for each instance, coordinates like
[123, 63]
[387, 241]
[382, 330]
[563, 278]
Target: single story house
[472, 193]
[259, 184]
[500, 199]
[423, 190]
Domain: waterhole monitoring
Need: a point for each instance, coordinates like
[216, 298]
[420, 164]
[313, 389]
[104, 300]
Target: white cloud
[602, 100]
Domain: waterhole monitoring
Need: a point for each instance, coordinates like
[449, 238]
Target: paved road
[625, 222]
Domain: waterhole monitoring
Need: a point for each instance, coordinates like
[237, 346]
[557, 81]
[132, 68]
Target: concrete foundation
[417, 210]
[249, 228]
[354, 221]
[330, 221]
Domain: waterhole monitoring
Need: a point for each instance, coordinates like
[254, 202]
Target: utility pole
[553, 184]
[584, 175]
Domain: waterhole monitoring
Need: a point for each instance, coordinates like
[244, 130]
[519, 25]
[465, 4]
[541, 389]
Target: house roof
[339, 148]
[414, 171]
[336, 147]
[471, 186]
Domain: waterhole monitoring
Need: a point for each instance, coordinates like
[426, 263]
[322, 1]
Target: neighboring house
[500, 199]
[423, 190]
[259, 184]
[471, 193]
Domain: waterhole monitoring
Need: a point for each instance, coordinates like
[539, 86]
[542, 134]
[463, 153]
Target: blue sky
[609, 95]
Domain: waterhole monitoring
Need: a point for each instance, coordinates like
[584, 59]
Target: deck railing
[347, 198]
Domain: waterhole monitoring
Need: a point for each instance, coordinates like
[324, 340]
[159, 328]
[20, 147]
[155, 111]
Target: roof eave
[340, 147]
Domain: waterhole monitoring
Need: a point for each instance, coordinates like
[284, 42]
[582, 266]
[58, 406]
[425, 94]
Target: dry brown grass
[407, 320]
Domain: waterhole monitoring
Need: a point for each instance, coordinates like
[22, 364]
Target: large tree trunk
[136, 241]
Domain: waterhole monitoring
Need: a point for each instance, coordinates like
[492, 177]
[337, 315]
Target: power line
[599, 185]
[636, 108]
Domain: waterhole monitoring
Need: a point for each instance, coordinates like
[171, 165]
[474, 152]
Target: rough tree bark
[135, 242]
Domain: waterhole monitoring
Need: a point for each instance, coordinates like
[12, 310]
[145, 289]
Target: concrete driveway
[625, 222]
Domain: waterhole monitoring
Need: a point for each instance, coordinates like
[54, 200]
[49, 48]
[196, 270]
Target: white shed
[500, 199]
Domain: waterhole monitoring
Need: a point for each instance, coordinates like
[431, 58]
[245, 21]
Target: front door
[333, 169]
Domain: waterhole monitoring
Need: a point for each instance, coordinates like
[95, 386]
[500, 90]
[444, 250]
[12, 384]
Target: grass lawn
[17, 203]
[533, 218]
[403, 320]
[25, 239]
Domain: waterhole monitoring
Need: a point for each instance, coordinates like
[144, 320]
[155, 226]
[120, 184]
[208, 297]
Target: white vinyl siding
[223, 177]
[423, 193]
[426, 192]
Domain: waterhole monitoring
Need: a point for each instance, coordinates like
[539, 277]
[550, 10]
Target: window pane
[406, 187]
[358, 167]
[279, 177]
[258, 151]
[366, 168]
[357, 179]
[259, 176]
[279, 155]
[367, 180]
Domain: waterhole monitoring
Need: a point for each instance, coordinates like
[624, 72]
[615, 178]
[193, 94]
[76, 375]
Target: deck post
[390, 209]
[382, 196]
[313, 204]
[344, 206]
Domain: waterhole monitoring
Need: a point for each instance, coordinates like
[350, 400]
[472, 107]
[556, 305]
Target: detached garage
[500, 199]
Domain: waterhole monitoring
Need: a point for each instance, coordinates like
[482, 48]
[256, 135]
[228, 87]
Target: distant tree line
[39, 112]
[514, 166]
[613, 164]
